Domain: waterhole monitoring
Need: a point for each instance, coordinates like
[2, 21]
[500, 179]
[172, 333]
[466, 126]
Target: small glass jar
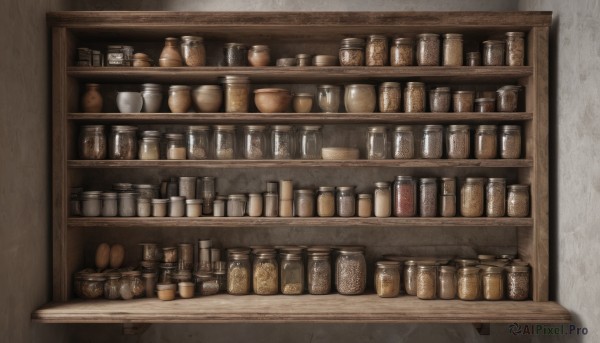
[517, 282]
[193, 51]
[469, 283]
[426, 282]
[92, 286]
[197, 142]
[176, 206]
[428, 197]
[224, 142]
[485, 105]
[390, 96]
[515, 49]
[180, 98]
[376, 51]
[326, 202]
[265, 273]
[311, 142]
[221, 276]
[239, 274]
[271, 205]
[493, 283]
[350, 271]
[92, 142]
[237, 93]
[110, 206]
[428, 49]
[236, 205]
[206, 192]
[471, 197]
[448, 197]
[493, 53]
[404, 142]
[122, 144]
[463, 101]
[377, 145]
[382, 199]
[402, 53]
[236, 54]
[473, 59]
[255, 204]
[387, 279]
[352, 52]
[111, 286]
[510, 141]
[281, 142]
[495, 195]
[176, 149]
[259, 56]
[364, 205]
[302, 102]
[453, 50]
[328, 97]
[410, 277]
[405, 196]
[193, 207]
[486, 142]
[149, 146]
[159, 207]
[458, 140]
[517, 204]
[447, 283]
[131, 285]
[304, 203]
[144, 207]
[414, 97]
[439, 99]
[292, 273]
[127, 204]
[507, 98]
[360, 98]
[255, 142]
[346, 202]
[318, 273]
[431, 142]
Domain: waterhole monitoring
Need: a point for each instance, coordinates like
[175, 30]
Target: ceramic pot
[170, 55]
[208, 98]
[91, 102]
[129, 102]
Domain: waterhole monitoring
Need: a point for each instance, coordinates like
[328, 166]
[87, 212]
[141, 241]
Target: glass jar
[166, 270]
[517, 282]
[131, 285]
[485, 105]
[387, 279]
[238, 274]
[426, 282]
[159, 207]
[486, 142]
[405, 196]
[360, 98]
[404, 142]
[110, 206]
[193, 51]
[237, 93]
[458, 141]
[236, 54]
[326, 202]
[111, 286]
[364, 205]
[127, 204]
[402, 53]
[469, 283]
[352, 52]
[448, 197]
[510, 141]
[383, 199]
[224, 142]
[122, 144]
[410, 277]
[271, 204]
[302, 102]
[376, 143]
[515, 49]
[149, 147]
[389, 97]
[221, 277]
[311, 142]
[185, 256]
[447, 283]
[149, 284]
[428, 49]
[197, 142]
[493, 53]
[431, 141]
[281, 142]
[507, 98]
[292, 274]
[453, 49]
[176, 206]
[518, 201]
[92, 286]
[493, 283]
[150, 252]
[180, 98]
[473, 59]
[318, 273]
[255, 204]
[439, 99]
[346, 202]
[471, 197]
[328, 97]
[92, 142]
[265, 276]
[376, 51]
[176, 149]
[463, 101]
[350, 271]
[144, 208]
[495, 195]
[207, 193]
[259, 56]
[236, 205]
[414, 97]
[304, 203]
[255, 142]
[428, 197]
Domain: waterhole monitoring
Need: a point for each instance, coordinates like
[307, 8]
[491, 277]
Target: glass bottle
[176, 149]
[458, 141]
[328, 97]
[224, 142]
[292, 274]
[207, 194]
[265, 275]
[404, 142]
[387, 279]
[311, 142]
[517, 204]
[447, 283]
[281, 142]
[414, 97]
[510, 141]
[376, 51]
[122, 144]
[402, 53]
[377, 143]
[405, 196]
[238, 274]
[346, 201]
[486, 142]
[197, 142]
[92, 142]
[495, 195]
[428, 49]
[453, 49]
[390, 96]
[431, 141]
[350, 271]
[255, 142]
[318, 270]
[471, 197]
[193, 51]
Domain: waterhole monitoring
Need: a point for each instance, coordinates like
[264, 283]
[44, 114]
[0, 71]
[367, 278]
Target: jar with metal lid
[402, 53]
[131, 285]
[431, 141]
[236, 205]
[281, 142]
[328, 97]
[127, 204]
[346, 202]
[414, 97]
[311, 142]
[177, 206]
[404, 142]
[206, 192]
[471, 197]
[159, 207]
[265, 273]
[486, 142]
[469, 283]
[176, 149]
[303, 60]
[350, 271]
[122, 144]
[515, 48]
[389, 97]
[376, 51]
[326, 202]
[149, 148]
[92, 285]
[517, 201]
[517, 282]
[197, 142]
[143, 208]
[255, 142]
[453, 50]
[510, 141]
[493, 283]
[224, 142]
[221, 276]
[448, 197]
[92, 142]
[439, 99]
[146, 191]
[405, 196]
[193, 51]
[304, 203]
[493, 53]
[259, 55]
[463, 101]
[485, 105]
[382, 199]
[237, 93]
[352, 52]
[111, 286]
[428, 49]
[318, 273]
[473, 59]
[410, 276]
[235, 54]
[170, 55]
[271, 205]
[428, 197]
[180, 99]
[507, 98]
[255, 204]
[360, 98]
[377, 143]
[110, 206]
[426, 281]
[447, 283]
[364, 205]
[239, 274]
[292, 273]
[495, 194]
[387, 279]
[458, 140]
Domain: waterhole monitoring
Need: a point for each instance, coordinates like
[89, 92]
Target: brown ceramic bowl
[272, 100]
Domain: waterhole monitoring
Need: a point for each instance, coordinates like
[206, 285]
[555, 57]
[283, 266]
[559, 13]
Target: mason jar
[517, 204]
[439, 99]
[402, 53]
[495, 192]
[326, 202]
[471, 197]
[469, 283]
[376, 51]
[515, 49]
[426, 282]
[463, 101]
[92, 142]
[428, 197]
[255, 204]
[265, 274]
[360, 98]
[352, 52]
[405, 196]
[428, 49]
[448, 197]
[453, 49]
[239, 274]
[149, 148]
[292, 273]
[447, 283]
[328, 98]
[281, 142]
[236, 205]
[510, 141]
[255, 142]
[176, 149]
[224, 142]
[122, 144]
[483, 105]
[346, 202]
[127, 204]
[304, 203]
[517, 282]
[350, 271]
[91, 205]
[110, 206]
[387, 279]
[458, 141]
[389, 97]
[486, 142]
[318, 273]
[431, 141]
[377, 143]
[493, 283]
[382, 199]
[197, 140]
[414, 97]
[507, 98]
[493, 53]
[410, 276]
[364, 205]
[237, 93]
[404, 142]
[193, 51]
[311, 142]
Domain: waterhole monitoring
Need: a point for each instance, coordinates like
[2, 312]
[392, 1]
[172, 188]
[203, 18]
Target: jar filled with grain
[224, 142]
[431, 141]
[328, 97]
[510, 141]
[387, 279]
[304, 203]
[515, 49]
[405, 196]
[414, 97]
[364, 205]
[350, 271]
[237, 90]
[410, 276]
[193, 51]
[377, 143]
[471, 197]
[360, 98]
[453, 49]
[376, 51]
[389, 97]
[507, 98]
[428, 49]
[439, 99]
[426, 281]
[402, 52]
[404, 142]
[495, 194]
[318, 272]
[235, 54]
[266, 273]
[382, 199]
[346, 202]
[469, 283]
[236, 205]
[485, 105]
[311, 142]
[281, 142]
[176, 149]
[463, 101]
[493, 53]
[255, 205]
[326, 202]
[255, 142]
[149, 146]
[259, 55]
[428, 197]
[238, 274]
[352, 52]
[292, 273]
[486, 142]
[493, 283]
[92, 285]
[131, 285]
[92, 142]
[458, 140]
[122, 143]
[517, 204]
[447, 283]
[473, 59]
[197, 142]
[517, 282]
[448, 197]
[180, 99]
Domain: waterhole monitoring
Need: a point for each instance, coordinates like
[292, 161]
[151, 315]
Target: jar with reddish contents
[405, 196]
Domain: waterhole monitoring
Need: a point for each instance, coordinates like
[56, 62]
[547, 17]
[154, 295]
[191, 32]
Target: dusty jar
[176, 149]
[469, 283]
[122, 144]
[255, 142]
[495, 194]
[404, 142]
[439, 99]
[176, 206]
[304, 203]
[170, 56]
[432, 142]
[144, 207]
[92, 286]
[493, 283]
[265, 280]
[281, 142]
[447, 283]
[377, 143]
[453, 49]
[360, 98]
[376, 51]
[414, 97]
[193, 51]
[405, 196]
[515, 49]
[235, 54]
[224, 142]
[259, 55]
[91, 101]
[352, 52]
[180, 99]
[402, 53]
[510, 141]
[517, 204]
[517, 282]
[471, 197]
[237, 93]
[428, 49]
[428, 198]
[382, 202]
[159, 207]
[91, 205]
[328, 98]
[458, 140]
[207, 98]
[493, 53]
[364, 205]
[318, 273]
[326, 202]
[486, 143]
[239, 274]
[350, 272]
[485, 105]
[463, 101]
[387, 279]
[426, 281]
[302, 102]
[390, 97]
[346, 202]
[92, 142]
[311, 142]
[507, 98]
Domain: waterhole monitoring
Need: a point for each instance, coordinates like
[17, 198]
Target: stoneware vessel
[129, 102]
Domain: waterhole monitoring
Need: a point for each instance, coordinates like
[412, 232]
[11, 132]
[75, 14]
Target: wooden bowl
[272, 100]
[339, 153]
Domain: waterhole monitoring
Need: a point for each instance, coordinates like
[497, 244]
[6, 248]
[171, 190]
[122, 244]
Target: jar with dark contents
[402, 52]
[515, 49]
[517, 204]
[92, 142]
[473, 59]
[122, 144]
[389, 97]
[517, 282]
[432, 142]
[405, 196]
[346, 201]
[507, 98]
[439, 99]
[428, 49]
[414, 97]
[471, 197]
[453, 50]
[463, 101]
[193, 51]
[376, 51]
[486, 143]
[426, 281]
[510, 141]
[235, 54]
[493, 53]
[318, 273]
[458, 140]
[352, 52]
[469, 283]
[495, 195]
[239, 274]
[404, 142]
[428, 197]
[448, 197]
[387, 279]
[351, 271]
[447, 283]
[485, 105]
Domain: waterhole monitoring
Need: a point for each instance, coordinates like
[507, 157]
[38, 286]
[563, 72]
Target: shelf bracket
[135, 328]
[482, 328]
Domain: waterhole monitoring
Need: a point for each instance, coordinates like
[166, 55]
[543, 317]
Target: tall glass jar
[350, 271]
[326, 202]
[122, 144]
[360, 98]
[471, 197]
[517, 282]
[352, 52]
[458, 141]
[431, 141]
[238, 274]
[92, 142]
[405, 196]
[495, 194]
[318, 273]
[281, 142]
[404, 142]
[176, 149]
[439, 99]
[428, 197]
[292, 274]
[402, 53]
[414, 97]
[486, 142]
[255, 142]
[447, 283]
[493, 283]
[207, 193]
[517, 204]
[428, 49]
[387, 279]
[346, 201]
[493, 53]
[180, 99]
[197, 142]
[377, 143]
[265, 275]
[469, 283]
[328, 97]
[224, 142]
[515, 49]
[193, 51]
[410, 277]
[149, 146]
[510, 141]
[376, 51]
[382, 199]
[237, 93]
[311, 141]
[453, 49]
[426, 282]
[389, 97]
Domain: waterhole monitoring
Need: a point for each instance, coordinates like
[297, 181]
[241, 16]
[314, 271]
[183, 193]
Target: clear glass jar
[224, 142]
[166, 270]
[463, 101]
[346, 202]
[350, 272]
[364, 205]
[404, 142]
[485, 105]
[458, 141]
[235, 54]
[515, 49]
[328, 97]
[377, 145]
[360, 98]
[510, 141]
[382, 199]
[193, 51]
[390, 96]
[517, 204]
[428, 49]
[292, 273]
[431, 141]
[176, 206]
[326, 202]
[144, 207]
[237, 93]
[447, 283]
[236, 205]
[387, 279]
[410, 277]
[238, 274]
[131, 285]
[255, 205]
[259, 56]
[281, 142]
[311, 142]
[428, 197]
[448, 197]
[271, 204]
[493, 53]
[197, 142]
[304, 203]
[176, 149]
[493, 283]
[149, 284]
[111, 286]
[439, 99]
[376, 51]
[405, 196]
[265, 276]
[495, 195]
[469, 283]
[507, 98]
[255, 142]
[471, 197]
[92, 142]
[402, 53]
[517, 282]
[149, 148]
[180, 99]
[207, 193]
[318, 273]
[352, 52]
[414, 97]
[122, 144]
[453, 49]
[473, 59]
[110, 206]
[426, 282]
[127, 204]
[486, 142]
[92, 286]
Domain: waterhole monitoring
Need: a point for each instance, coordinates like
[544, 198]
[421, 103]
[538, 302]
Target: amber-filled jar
[469, 283]
[266, 273]
[486, 142]
[515, 49]
[453, 49]
[387, 279]
[376, 51]
[402, 53]
[517, 282]
[471, 197]
[389, 97]
[193, 51]
[493, 283]
[414, 97]
[517, 204]
[237, 90]
[405, 196]
[426, 281]
[428, 49]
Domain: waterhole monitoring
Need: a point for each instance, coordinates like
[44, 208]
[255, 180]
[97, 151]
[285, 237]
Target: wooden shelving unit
[288, 34]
